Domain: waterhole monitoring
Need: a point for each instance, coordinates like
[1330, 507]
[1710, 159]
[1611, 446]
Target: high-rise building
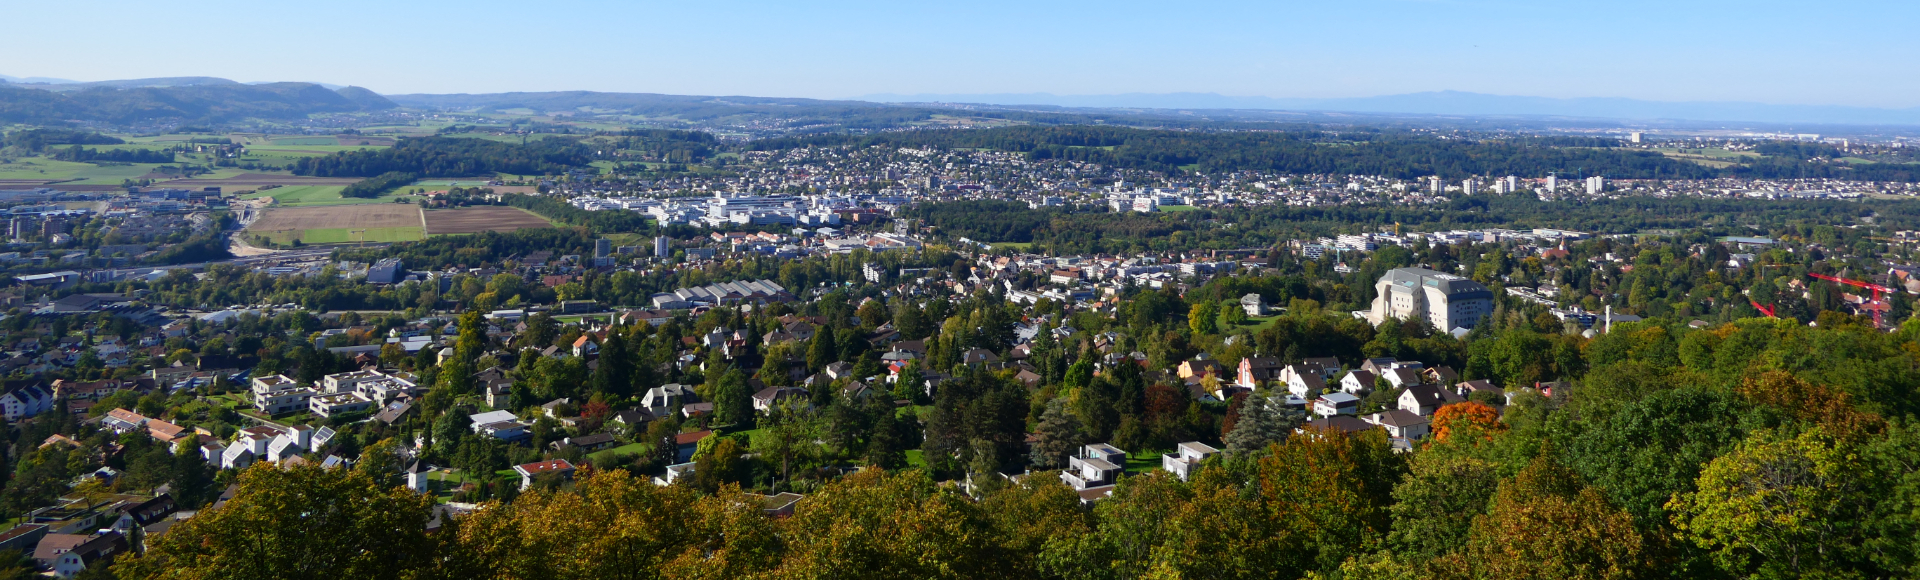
[1469, 187]
[1435, 186]
[1596, 184]
[1444, 300]
[602, 248]
[660, 249]
[1513, 184]
[1635, 136]
[1553, 183]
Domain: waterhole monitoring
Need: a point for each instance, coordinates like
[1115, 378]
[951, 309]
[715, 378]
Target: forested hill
[200, 103]
[450, 157]
[1064, 232]
[1389, 154]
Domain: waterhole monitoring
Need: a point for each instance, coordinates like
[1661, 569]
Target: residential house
[1466, 389]
[1400, 424]
[771, 397]
[1423, 400]
[336, 404]
[1303, 382]
[24, 402]
[1258, 370]
[100, 548]
[122, 421]
[1346, 424]
[686, 443]
[167, 433]
[1254, 305]
[1200, 366]
[276, 394]
[1404, 377]
[1094, 466]
[662, 399]
[1186, 458]
[529, 471]
[975, 356]
[589, 443]
[675, 473]
[1336, 403]
[1358, 382]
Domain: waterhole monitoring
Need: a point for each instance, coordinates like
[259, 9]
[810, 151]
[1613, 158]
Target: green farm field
[87, 173]
[345, 235]
[307, 195]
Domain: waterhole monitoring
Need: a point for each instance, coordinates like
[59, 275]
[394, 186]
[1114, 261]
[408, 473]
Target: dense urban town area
[461, 346]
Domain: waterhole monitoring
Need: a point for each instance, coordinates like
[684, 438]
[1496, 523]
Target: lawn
[449, 183]
[1021, 246]
[112, 174]
[308, 150]
[317, 195]
[576, 318]
[306, 141]
[1256, 324]
[1143, 461]
[346, 235]
[628, 449]
[307, 195]
[1178, 208]
[42, 168]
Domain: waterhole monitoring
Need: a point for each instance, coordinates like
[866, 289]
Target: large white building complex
[1445, 300]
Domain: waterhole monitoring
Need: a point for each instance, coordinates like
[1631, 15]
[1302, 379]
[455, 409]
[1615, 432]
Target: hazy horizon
[1766, 52]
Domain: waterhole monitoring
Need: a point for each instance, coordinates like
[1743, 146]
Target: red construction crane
[1767, 310]
[1878, 306]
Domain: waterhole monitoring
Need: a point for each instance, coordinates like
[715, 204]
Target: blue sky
[1861, 53]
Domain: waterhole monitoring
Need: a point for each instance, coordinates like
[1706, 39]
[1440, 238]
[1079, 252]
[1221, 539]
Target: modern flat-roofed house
[1096, 465]
[1186, 458]
[1336, 403]
[275, 394]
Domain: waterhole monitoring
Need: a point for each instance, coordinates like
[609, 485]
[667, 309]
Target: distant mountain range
[45, 80]
[1452, 103]
[215, 100]
[177, 100]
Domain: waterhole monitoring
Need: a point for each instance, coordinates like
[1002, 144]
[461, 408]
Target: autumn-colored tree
[878, 525]
[1133, 524]
[733, 539]
[1828, 407]
[610, 525]
[295, 523]
[1546, 523]
[1028, 515]
[1466, 419]
[1221, 532]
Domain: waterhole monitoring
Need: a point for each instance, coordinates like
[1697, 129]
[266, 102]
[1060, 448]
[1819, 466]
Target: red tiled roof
[691, 438]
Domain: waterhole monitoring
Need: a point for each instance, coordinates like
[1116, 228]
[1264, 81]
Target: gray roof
[1455, 287]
